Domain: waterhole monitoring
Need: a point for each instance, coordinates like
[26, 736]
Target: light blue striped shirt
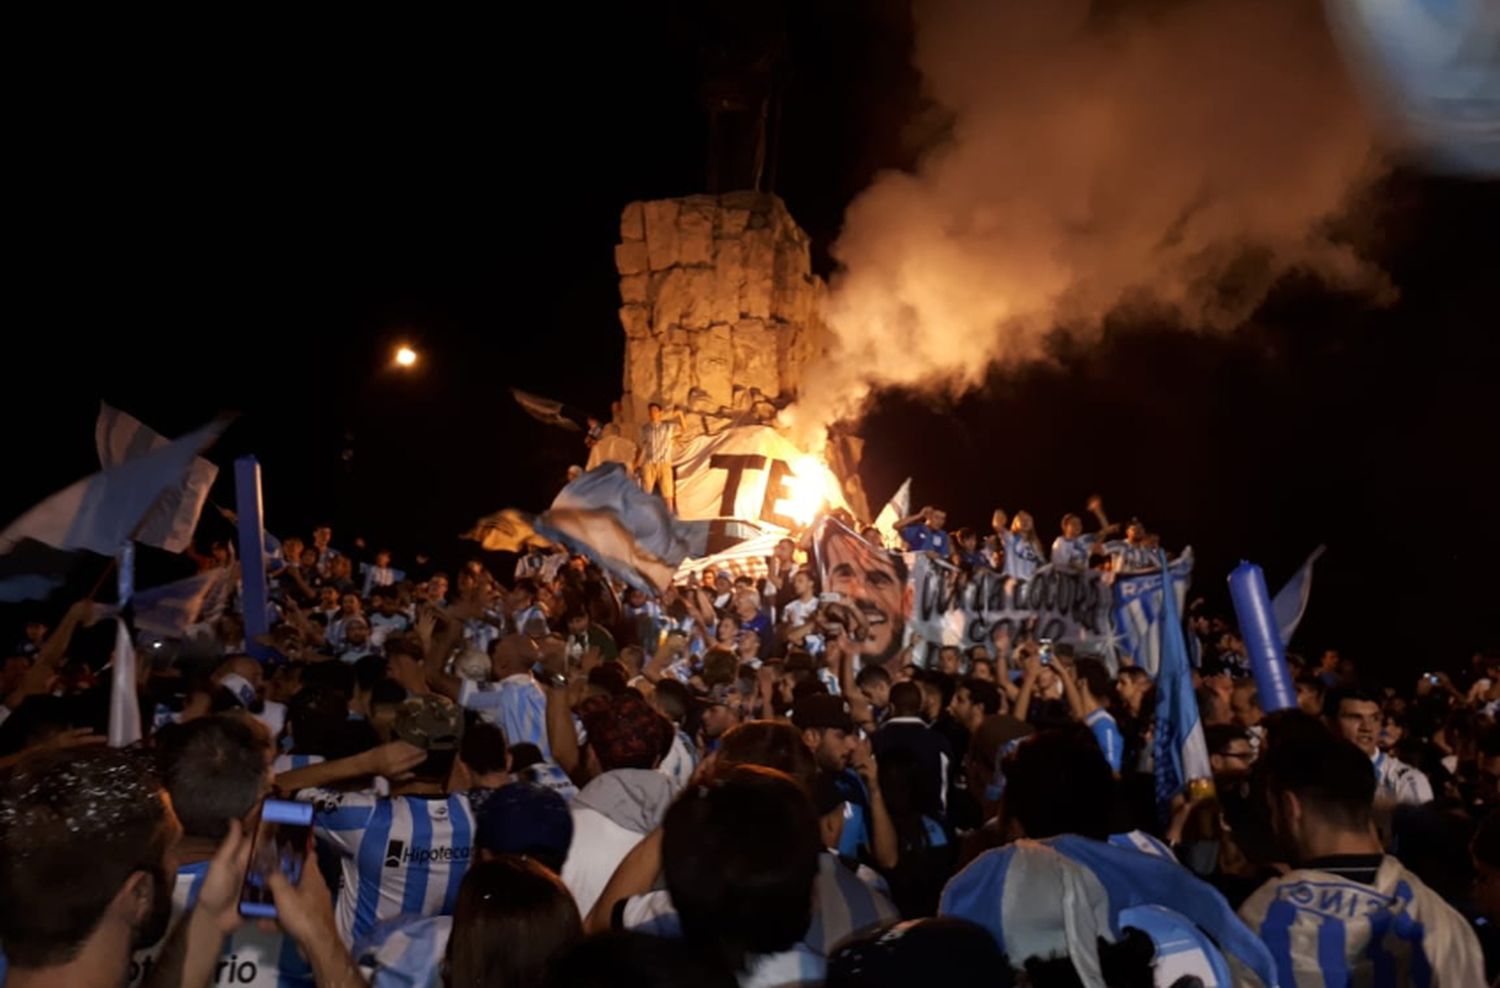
[402, 855]
[1107, 733]
[516, 704]
[406, 955]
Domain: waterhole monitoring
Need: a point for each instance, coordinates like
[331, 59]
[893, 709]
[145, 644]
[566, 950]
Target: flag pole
[124, 703]
[253, 593]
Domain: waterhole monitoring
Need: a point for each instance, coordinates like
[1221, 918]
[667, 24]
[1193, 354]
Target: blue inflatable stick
[1262, 637]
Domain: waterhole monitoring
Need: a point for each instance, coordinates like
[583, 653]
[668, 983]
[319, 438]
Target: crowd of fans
[555, 780]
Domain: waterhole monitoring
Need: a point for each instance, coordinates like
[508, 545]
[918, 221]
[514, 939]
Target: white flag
[124, 706]
[897, 508]
[121, 437]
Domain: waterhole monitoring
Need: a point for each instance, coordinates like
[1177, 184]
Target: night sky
[251, 220]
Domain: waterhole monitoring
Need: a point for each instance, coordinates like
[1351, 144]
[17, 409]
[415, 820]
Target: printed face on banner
[870, 579]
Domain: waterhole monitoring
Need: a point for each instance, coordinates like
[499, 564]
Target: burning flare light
[813, 486]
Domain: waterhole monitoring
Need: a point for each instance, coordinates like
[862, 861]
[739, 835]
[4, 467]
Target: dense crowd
[552, 779]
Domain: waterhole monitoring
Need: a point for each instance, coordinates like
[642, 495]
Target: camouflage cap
[431, 722]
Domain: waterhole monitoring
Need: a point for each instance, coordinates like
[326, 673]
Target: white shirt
[1399, 782]
[599, 845]
[799, 612]
[680, 762]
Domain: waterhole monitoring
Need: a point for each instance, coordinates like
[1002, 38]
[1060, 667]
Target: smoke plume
[1172, 157]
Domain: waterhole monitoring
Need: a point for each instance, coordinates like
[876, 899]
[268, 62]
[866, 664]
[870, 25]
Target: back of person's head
[330, 675]
[739, 858]
[317, 715]
[983, 694]
[906, 700]
[369, 670]
[871, 676]
[483, 749]
[900, 955]
[215, 769]
[1058, 782]
[76, 825]
[637, 960]
[512, 915]
[720, 667]
[625, 732]
[1330, 777]
[1091, 672]
[525, 755]
[673, 700]
[609, 678]
[773, 744]
[526, 819]
[1219, 737]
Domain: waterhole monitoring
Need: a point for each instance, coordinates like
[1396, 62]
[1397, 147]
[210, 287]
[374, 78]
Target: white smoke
[1176, 157]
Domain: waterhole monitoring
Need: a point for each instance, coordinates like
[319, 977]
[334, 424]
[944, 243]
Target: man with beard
[1348, 913]
[827, 729]
[90, 841]
[871, 581]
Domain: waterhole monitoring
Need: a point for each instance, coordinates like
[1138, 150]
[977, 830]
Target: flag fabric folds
[169, 610]
[120, 438]
[505, 531]
[1138, 606]
[631, 534]
[102, 511]
[1290, 602]
[897, 508]
[549, 411]
[746, 559]
[1181, 754]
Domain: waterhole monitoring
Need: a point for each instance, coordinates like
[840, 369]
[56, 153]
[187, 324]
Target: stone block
[633, 221]
[695, 234]
[732, 221]
[729, 275]
[633, 289]
[682, 298]
[661, 233]
[715, 359]
[636, 319]
[676, 373]
[630, 257]
[642, 362]
[755, 356]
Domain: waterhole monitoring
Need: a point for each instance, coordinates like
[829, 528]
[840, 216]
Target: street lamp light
[405, 356]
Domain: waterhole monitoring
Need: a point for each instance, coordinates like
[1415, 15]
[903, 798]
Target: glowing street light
[405, 356]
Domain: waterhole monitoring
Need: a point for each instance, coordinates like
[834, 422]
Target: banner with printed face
[913, 596]
[752, 473]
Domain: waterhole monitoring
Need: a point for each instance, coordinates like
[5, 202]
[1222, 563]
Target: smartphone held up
[280, 843]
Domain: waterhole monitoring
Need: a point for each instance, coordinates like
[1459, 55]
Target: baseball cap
[819, 710]
[431, 722]
[524, 818]
[239, 687]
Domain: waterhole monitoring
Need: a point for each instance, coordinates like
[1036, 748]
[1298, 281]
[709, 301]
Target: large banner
[752, 473]
[911, 597]
[950, 607]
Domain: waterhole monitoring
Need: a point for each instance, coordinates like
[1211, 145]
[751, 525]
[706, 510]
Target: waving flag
[549, 411]
[122, 437]
[1138, 608]
[897, 508]
[1290, 602]
[631, 534]
[1181, 754]
[101, 511]
[748, 558]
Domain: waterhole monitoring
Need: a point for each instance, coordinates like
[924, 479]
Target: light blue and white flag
[1138, 606]
[103, 510]
[1181, 754]
[121, 437]
[631, 534]
[1290, 602]
[170, 609]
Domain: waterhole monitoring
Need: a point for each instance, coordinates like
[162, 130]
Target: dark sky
[250, 218]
